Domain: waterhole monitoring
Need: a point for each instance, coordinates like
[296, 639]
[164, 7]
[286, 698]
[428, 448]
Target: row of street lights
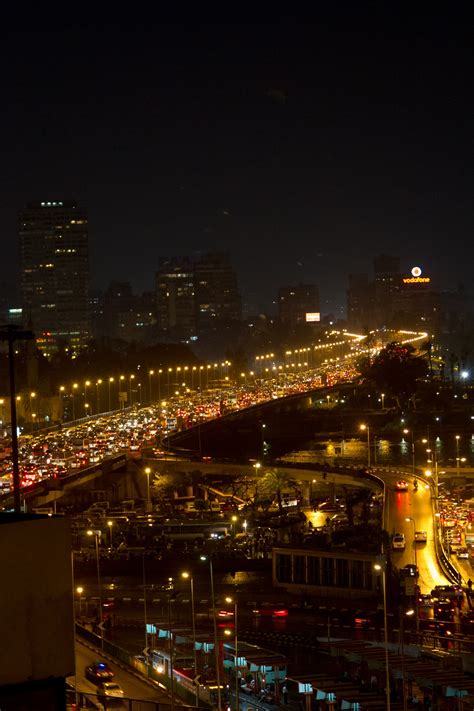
[366, 428]
[186, 576]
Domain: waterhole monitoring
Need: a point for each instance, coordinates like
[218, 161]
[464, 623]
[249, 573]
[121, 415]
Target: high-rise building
[175, 298]
[298, 304]
[387, 279]
[360, 312]
[54, 277]
[216, 292]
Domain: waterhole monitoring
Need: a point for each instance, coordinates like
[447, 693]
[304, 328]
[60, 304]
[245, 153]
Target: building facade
[298, 304]
[328, 573]
[218, 300]
[175, 298]
[54, 272]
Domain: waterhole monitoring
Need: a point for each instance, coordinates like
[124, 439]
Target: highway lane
[133, 687]
[415, 505]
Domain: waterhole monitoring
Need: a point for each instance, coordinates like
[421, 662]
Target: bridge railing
[139, 667]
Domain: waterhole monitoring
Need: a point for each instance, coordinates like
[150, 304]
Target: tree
[274, 482]
[397, 370]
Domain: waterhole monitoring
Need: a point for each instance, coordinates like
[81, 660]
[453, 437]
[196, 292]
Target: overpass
[51, 490]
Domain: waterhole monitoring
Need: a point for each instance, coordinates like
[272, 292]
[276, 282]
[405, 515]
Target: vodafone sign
[416, 277]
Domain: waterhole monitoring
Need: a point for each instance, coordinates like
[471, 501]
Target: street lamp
[96, 534]
[363, 428]
[216, 642]
[32, 396]
[457, 455]
[86, 385]
[381, 568]
[150, 373]
[189, 577]
[79, 591]
[236, 653]
[413, 465]
[74, 388]
[110, 524]
[111, 380]
[408, 613]
[99, 382]
[408, 519]
[148, 500]
[382, 395]
[132, 377]
[159, 384]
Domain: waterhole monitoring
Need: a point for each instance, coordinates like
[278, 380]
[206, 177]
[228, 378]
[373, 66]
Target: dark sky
[304, 149]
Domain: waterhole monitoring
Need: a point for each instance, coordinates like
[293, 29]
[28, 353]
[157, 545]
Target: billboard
[313, 317]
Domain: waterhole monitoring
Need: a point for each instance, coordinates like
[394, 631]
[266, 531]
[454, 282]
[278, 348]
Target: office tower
[175, 298]
[298, 304]
[360, 302]
[54, 272]
[387, 282]
[216, 292]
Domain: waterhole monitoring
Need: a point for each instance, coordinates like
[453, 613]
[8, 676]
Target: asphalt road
[132, 686]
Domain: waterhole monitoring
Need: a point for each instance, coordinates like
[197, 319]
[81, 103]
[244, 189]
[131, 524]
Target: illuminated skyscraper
[54, 272]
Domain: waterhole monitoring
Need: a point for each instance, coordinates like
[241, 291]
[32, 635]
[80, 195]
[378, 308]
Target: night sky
[303, 149]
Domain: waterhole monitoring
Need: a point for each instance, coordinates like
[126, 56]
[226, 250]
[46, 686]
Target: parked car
[398, 541]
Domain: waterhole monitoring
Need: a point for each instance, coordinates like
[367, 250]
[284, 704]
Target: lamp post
[110, 524]
[236, 653]
[160, 371]
[408, 613]
[122, 397]
[11, 333]
[216, 641]
[381, 568]
[111, 380]
[86, 385]
[32, 397]
[363, 428]
[98, 382]
[150, 373]
[148, 499]
[79, 591]
[409, 519]
[382, 395]
[132, 377]
[74, 388]
[189, 577]
[428, 472]
[413, 465]
[96, 534]
[457, 455]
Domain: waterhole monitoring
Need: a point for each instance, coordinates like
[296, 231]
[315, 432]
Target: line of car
[101, 674]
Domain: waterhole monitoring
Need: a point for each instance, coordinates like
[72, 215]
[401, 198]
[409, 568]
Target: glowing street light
[188, 576]
[364, 427]
[110, 524]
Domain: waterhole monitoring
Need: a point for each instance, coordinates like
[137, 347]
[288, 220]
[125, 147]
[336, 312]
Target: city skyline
[318, 145]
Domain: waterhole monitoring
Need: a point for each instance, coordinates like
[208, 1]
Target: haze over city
[306, 148]
[237, 362]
